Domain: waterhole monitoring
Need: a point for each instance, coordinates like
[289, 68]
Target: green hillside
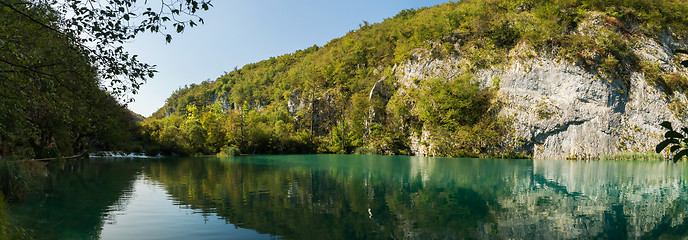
[52, 103]
[323, 99]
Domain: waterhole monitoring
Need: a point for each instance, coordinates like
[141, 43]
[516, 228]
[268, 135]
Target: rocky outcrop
[322, 111]
[379, 91]
[560, 109]
[295, 102]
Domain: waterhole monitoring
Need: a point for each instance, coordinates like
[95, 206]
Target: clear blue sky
[237, 33]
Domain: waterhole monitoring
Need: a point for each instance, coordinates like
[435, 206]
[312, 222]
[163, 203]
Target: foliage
[671, 82]
[55, 59]
[97, 30]
[678, 107]
[457, 113]
[678, 142]
[14, 180]
[366, 150]
[455, 103]
[318, 99]
[229, 151]
[3, 218]
[543, 111]
[634, 156]
[54, 103]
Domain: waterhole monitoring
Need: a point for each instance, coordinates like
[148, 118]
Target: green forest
[337, 98]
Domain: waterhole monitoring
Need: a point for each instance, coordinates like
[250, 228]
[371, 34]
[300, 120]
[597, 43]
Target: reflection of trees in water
[75, 198]
[349, 198]
[372, 197]
[421, 198]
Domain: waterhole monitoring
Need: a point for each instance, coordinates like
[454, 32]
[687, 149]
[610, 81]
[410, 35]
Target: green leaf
[168, 38]
[180, 28]
[665, 143]
[667, 125]
[675, 148]
[673, 134]
[680, 155]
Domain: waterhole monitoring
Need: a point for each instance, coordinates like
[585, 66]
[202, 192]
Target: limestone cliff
[560, 109]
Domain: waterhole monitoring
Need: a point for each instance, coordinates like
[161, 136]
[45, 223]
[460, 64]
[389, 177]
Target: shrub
[678, 107]
[633, 156]
[3, 219]
[504, 35]
[14, 180]
[229, 151]
[543, 111]
[676, 82]
[366, 151]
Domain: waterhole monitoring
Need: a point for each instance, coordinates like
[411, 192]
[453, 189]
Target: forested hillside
[51, 100]
[65, 76]
[348, 94]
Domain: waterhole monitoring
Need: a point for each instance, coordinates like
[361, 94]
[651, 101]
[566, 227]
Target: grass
[14, 179]
[634, 156]
[3, 218]
[17, 184]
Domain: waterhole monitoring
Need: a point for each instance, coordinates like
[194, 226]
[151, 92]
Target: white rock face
[561, 110]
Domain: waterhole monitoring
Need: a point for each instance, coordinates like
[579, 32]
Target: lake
[356, 197]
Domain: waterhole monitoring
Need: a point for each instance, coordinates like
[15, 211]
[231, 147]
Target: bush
[14, 180]
[366, 151]
[634, 156]
[229, 151]
[678, 107]
[152, 151]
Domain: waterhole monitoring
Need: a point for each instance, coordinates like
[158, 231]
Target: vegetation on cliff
[345, 94]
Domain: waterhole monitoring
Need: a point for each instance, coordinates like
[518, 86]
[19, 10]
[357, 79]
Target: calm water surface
[357, 197]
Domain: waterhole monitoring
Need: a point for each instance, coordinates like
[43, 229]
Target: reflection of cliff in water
[364, 197]
[566, 199]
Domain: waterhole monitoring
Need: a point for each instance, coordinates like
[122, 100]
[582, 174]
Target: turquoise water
[356, 197]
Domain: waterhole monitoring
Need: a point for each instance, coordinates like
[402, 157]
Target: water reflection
[74, 199]
[380, 197]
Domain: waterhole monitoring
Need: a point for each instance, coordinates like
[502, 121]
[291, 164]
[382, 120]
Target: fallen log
[50, 159]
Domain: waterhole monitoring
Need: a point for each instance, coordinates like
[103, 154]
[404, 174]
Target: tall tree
[54, 59]
[99, 28]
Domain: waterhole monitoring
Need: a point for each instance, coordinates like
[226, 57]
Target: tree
[54, 59]
[98, 29]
